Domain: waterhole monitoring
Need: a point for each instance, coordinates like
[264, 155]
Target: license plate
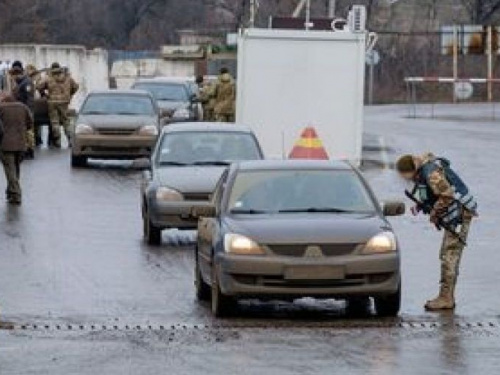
[314, 273]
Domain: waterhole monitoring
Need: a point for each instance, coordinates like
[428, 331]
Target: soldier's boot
[56, 136]
[446, 298]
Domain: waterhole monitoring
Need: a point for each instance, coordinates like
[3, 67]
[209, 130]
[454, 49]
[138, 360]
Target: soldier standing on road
[207, 99]
[225, 97]
[36, 78]
[446, 198]
[23, 90]
[16, 119]
[59, 88]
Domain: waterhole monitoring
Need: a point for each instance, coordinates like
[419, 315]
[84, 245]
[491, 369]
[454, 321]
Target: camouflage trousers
[58, 113]
[30, 139]
[208, 114]
[451, 254]
[224, 117]
[12, 167]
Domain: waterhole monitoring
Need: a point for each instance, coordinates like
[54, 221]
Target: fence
[420, 54]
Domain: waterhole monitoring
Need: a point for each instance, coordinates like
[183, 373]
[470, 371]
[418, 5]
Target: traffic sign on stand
[463, 90]
[372, 57]
[309, 146]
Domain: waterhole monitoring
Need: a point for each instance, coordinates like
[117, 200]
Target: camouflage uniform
[451, 248]
[60, 88]
[33, 73]
[225, 97]
[207, 99]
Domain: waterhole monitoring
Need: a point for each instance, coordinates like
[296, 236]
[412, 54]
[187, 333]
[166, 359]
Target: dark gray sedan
[291, 229]
[186, 165]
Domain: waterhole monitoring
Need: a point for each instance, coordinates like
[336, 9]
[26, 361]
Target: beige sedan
[115, 124]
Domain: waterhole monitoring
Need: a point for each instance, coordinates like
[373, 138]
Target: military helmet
[55, 66]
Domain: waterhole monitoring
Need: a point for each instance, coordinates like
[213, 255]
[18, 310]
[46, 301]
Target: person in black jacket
[23, 91]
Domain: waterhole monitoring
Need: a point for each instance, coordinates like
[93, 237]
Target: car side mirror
[393, 208]
[206, 210]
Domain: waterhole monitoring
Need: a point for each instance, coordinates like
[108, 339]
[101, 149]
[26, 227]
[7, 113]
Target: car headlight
[182, 113]
[149, 130]
[165, 194]
[384, 242]
[83, 129]
[241, 245]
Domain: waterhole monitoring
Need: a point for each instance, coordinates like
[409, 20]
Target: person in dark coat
[17, 120]
[23, 91]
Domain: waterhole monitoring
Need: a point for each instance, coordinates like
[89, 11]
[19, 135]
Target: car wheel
[152, 234]
[78, 161]
[203, 291]
[388, 306]
[358, 307]
[222, 305]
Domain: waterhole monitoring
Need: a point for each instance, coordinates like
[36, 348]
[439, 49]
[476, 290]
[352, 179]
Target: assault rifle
[439, 225]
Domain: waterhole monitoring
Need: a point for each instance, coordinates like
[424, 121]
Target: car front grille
[327, 250]
[118, 132]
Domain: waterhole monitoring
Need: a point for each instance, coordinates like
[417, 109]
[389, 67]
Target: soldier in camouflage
[225, 97]
[450, 204]
[59, 88]
[207, 99]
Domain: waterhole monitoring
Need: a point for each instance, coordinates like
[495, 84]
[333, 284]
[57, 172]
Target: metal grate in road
[406, 325]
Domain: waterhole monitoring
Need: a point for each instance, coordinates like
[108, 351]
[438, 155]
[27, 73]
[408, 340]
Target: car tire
[152, 234]
[222, 306]
[358, 307]
[388, 306]
[203, 292]
[78, 161]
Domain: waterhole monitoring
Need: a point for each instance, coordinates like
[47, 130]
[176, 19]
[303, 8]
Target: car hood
[117, 121]
[307, 228]
[189, 179]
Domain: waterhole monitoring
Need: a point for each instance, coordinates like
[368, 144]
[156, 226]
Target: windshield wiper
[248, 211]
[174, 163]
[94, 113]
[221, 163]
[316, 210]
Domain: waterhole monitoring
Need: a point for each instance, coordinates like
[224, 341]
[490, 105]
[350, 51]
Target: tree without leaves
[481, 11]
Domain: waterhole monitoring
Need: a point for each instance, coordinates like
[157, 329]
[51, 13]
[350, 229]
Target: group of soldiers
[55, 90]
[19, 135]
[218, 98]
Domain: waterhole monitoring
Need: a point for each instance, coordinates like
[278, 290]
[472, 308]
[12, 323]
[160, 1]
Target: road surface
[80, 293]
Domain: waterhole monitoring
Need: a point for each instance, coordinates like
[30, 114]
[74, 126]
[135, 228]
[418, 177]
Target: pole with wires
[331, 8]
[308, 15]
[253, 12]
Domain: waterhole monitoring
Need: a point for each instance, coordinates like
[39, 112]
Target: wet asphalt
[81, 293]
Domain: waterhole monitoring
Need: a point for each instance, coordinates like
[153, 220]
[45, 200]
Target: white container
[292, 79]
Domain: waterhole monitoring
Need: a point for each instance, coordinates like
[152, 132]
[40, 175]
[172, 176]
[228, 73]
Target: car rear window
[133, 105]
[299, 190]
[207, 146]
[165, 91]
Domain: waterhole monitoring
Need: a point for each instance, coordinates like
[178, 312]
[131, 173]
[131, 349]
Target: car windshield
[133, 105]
[207, 147]
[295, 191]
[166, 91]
